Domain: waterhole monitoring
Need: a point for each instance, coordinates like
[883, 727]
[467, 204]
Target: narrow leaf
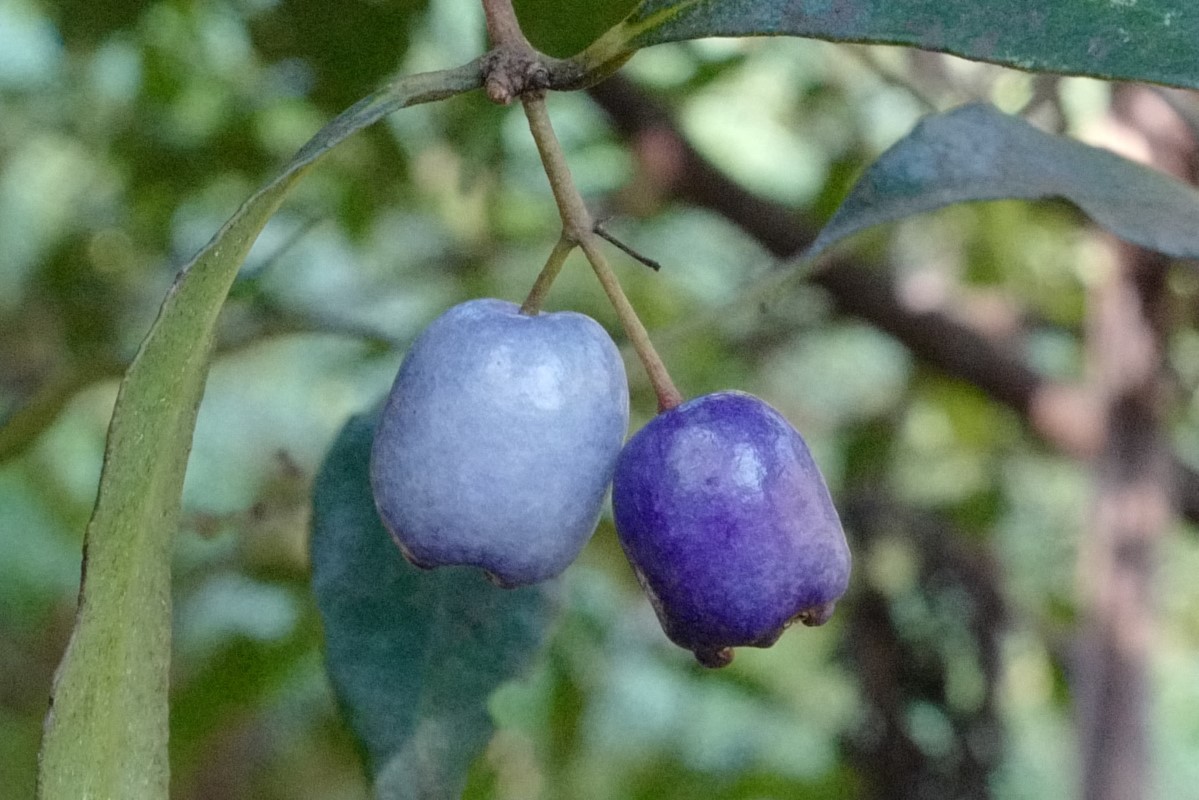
[1148, 40]
[106, 732]
[413, 655]
[978, 153]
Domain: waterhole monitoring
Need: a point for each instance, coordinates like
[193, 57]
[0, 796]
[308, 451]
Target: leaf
[106, 731]
[978, 153]
[564, 27]
[1149, 40]
[350, 45]
[413, 655]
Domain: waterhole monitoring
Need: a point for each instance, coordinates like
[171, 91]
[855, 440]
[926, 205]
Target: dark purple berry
[729, 525]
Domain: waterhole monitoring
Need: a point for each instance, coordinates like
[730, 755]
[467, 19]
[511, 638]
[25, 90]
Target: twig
[503, 29]
[545, 279]
[577, 226]
[629, 251]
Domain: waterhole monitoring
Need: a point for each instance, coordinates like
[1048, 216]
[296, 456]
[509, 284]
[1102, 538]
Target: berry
[498, 440]
[728, 525]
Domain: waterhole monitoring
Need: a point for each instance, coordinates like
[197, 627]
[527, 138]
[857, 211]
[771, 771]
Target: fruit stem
[659, 377]
[576, 219]
[578, 228]
[553, 266]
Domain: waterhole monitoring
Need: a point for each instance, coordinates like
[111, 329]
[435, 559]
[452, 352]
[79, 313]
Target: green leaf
[350, 45]
[978, 153]
[106, 732]
[413, 655]
[564, 27]
[1149, 40]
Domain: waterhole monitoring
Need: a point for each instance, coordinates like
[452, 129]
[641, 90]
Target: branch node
[510, 71]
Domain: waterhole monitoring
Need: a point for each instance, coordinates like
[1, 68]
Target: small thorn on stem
[599, 230]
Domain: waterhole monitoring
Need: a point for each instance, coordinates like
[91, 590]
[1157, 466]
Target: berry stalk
[541, 287]
[579, 228]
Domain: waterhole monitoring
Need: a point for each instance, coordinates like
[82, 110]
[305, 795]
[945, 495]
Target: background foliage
[130, 133]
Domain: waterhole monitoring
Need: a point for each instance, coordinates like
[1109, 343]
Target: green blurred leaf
[978, 153]
[87, 22]
[564, 27]
[106, 733]
[351, 45]
[1151, 40]
[240, 675]
[413, 655]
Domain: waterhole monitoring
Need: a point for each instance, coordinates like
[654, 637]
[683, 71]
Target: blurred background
[961, 378]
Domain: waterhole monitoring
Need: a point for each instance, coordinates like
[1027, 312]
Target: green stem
[578, 227]
[553, 266]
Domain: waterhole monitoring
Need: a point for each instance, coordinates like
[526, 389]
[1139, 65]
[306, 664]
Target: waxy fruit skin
[498, 440]
[728, 524]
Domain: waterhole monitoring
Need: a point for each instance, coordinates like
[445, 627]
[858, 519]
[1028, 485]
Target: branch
[1130, 515]
[24, 426]
[1061, 414]
[514, 69]
[579, 228]
[898, 664]
[502, 28]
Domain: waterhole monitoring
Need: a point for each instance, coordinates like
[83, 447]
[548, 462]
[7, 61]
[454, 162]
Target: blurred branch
[1130, 515]
[867, 56]
[904, 666]
[21, 428]
[1063, 415]
[1183, 104]
[1132, 508]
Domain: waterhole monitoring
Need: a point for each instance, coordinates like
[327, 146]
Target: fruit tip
[817, 615]
[714, 658]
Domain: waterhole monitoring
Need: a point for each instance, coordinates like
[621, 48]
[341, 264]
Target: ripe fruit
[728, 525]
[498, 440]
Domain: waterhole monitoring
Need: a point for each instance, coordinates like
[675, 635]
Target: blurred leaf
[106, 732]
[666, 779]
[351, 45]
[413, 655]
[235, 678]
[1152, 40]
[564, 27]
[87, 22]
[978, 153]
